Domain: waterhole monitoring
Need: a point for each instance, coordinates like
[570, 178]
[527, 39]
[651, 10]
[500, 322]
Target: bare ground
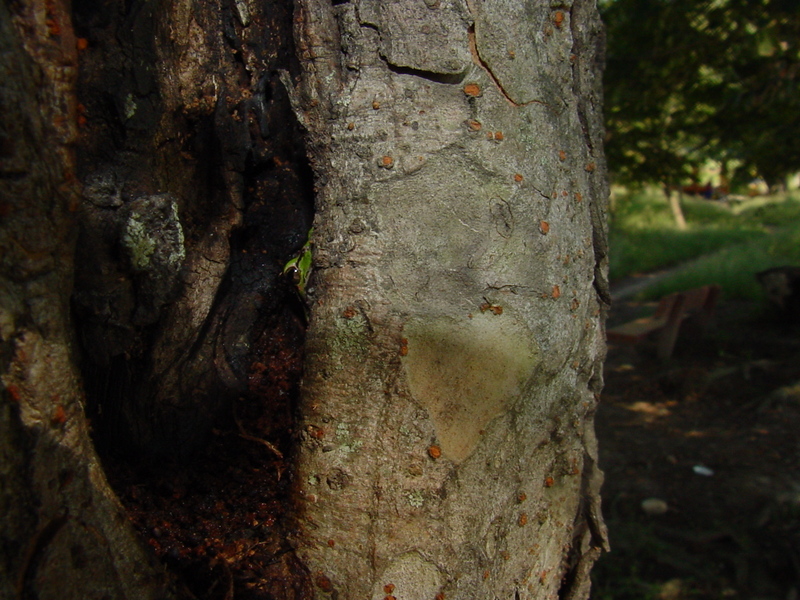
[714, 434]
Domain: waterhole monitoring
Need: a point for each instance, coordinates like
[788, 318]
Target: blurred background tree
[699, 80]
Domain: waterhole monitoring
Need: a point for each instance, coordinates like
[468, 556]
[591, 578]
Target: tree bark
[194, 198]
[64, 534]
[456, 342]
[154, 170]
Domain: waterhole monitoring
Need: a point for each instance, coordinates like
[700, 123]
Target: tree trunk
[64, 534]
[455, 350]
[674, 199]
[152, 196]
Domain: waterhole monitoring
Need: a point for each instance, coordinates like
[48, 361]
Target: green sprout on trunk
[299, 268]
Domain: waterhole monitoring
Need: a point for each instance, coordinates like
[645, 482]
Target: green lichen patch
[350, 337]
[153, 236]
[415, 498]
[348, 444]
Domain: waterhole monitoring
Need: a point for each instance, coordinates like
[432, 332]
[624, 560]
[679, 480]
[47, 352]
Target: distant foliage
[695, 80]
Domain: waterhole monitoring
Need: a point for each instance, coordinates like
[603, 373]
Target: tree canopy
[698, 80]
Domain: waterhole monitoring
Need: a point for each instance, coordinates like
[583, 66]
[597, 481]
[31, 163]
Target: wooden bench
[696, 304]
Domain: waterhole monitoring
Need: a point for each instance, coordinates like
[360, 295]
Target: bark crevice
[435, 77]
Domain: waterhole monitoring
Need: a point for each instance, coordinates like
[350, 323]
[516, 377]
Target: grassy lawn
[725, 243]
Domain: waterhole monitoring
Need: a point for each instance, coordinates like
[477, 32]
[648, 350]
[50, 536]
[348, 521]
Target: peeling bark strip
[456, 344]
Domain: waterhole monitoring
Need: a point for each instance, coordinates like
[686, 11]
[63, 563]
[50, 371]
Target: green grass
[722, 244]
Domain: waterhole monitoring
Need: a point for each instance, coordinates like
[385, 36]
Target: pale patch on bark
[466, 372]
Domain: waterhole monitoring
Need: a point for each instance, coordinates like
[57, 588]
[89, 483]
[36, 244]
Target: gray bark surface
[456, 341]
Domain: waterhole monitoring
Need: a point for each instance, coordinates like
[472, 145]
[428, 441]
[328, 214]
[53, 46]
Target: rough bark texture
[195, 195]
[63, 535]
[149, 201]
[456, 342]
[158, 136]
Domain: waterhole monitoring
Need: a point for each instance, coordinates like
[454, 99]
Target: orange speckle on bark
[387, 162]
[53, 28]
[434, 452]
[472, 89]
[578, 197]
[498, 135]
[474, 125]
[351, 126]
[562, 156]
[376, 105]
[544, 227]
[521, 497]
[59, 416]
[549, 482]
[590, 167]
[14, 392]
[486, 574]
[388, 588]
[324, 583]
[523, 519]
[349, 312]
[558, 18]
[518, 178]
[331, 543]
[556, 292]
[81, 43]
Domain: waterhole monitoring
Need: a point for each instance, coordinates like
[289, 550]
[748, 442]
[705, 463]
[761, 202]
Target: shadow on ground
[711, 440]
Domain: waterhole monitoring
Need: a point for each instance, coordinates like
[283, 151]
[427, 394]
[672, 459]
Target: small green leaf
[300, 266]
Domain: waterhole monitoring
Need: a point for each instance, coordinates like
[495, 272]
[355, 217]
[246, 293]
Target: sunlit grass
[724, 244]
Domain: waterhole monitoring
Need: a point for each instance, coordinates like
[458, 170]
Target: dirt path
[627, 288]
